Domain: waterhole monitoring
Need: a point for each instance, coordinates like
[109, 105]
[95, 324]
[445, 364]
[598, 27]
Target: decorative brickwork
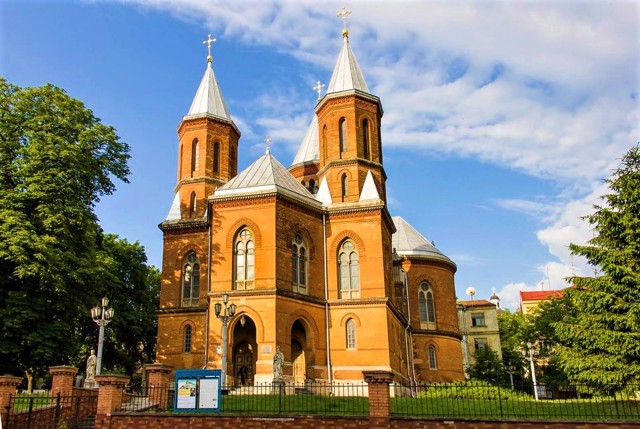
[379, 403]
[63, 378]
[110, 393]
[8, 386]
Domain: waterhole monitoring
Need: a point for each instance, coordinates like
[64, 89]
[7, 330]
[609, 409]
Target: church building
[310, 257]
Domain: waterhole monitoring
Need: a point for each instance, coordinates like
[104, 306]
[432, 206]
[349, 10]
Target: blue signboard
[198, 390]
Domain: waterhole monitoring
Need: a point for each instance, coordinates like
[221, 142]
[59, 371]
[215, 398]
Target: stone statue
[278, 361]
[92, 360]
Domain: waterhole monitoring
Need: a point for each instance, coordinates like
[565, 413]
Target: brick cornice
[437, 332]
[183, 224]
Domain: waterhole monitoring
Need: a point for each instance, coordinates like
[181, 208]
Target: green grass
[22, 400]
[295, 404]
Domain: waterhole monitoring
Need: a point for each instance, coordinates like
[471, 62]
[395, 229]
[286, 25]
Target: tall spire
[208, 98]
[346, 75]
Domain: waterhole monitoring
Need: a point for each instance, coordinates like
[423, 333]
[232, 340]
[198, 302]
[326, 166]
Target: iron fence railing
[482, 400]
[75, 410]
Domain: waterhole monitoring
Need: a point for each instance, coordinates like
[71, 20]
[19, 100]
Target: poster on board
[186, 393]
[198, 390]
[209, 391]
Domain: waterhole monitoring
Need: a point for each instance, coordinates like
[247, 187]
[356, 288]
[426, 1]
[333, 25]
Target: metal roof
[309, 150]
[347, 74]
[409, 242]
[208, 98]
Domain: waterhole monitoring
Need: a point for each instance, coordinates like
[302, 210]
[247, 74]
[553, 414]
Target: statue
[278, 361]
[92, 360]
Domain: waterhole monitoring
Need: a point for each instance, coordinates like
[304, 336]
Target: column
[63, 378]
[379, 401]
[110, 390]
[159, 380]
[8, 386]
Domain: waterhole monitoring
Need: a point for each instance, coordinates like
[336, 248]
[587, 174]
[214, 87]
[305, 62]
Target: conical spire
[347, 74]
[208, 98]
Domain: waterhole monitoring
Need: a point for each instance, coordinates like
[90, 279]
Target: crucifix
[267, 141]
[208, 42]
[318, 89]
[343, 14]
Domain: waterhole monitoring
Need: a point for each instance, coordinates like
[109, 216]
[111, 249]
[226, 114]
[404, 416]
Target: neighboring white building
[478, 322]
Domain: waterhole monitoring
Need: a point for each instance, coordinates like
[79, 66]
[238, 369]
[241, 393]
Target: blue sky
[501, 118]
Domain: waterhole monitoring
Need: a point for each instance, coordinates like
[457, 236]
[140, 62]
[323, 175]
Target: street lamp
[510, 370]
[224, 315]
[102, 316]
[533, 370]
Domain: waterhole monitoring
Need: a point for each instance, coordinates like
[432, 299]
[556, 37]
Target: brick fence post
[379, 401]
[8, 386]
[110, 390]
[62, 380]
[158, 381]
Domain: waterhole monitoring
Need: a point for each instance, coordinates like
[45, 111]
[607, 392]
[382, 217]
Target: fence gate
[74, 411]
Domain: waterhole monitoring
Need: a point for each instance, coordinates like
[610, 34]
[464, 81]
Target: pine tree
[600, 345]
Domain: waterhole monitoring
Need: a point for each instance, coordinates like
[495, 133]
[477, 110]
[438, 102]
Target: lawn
[22, 401]
[295, 404]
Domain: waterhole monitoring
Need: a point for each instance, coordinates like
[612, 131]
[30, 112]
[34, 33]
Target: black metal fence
[482, 400]
[76, 411]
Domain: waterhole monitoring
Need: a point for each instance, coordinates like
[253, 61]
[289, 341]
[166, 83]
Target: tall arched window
[351, 334]
[180, 163]
[365, 138]
[299, 264]
[216, 157]
[324, 141]
[344, 184]
[433, 360]
[349, 271]
[426, 305]
[187, 339]
[244, 260]
[343, 135]
[192, 204]
[195, 156]
[190, 280]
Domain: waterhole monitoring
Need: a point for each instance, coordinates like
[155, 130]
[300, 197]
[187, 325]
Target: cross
[343, 14]
[267, 141]
[318, 89]
[208, 42]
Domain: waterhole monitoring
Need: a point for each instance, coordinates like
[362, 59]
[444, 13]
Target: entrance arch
[298, 354]
[244, 351]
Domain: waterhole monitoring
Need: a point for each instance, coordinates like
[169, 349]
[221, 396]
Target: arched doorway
[244, 351]
[298, 355]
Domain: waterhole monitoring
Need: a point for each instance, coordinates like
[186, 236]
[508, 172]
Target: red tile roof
[540, 295]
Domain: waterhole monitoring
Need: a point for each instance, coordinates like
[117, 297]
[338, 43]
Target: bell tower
[350, 148]
[207, 147]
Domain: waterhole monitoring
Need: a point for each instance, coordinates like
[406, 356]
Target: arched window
[180, 163]
[433, 361]
[344, 182]
[349, 271]
[232, 161]
[312, 186]
[195, 156]
[365, 138]
[192, 204]
[216, 157]
[299, 264]
[324, 140]
[426, 305]
[343, 135]
[187, 339]
[190, 280]
[351, 334]
[244, 260]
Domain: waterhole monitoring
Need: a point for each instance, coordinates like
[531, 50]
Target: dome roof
[409, 242]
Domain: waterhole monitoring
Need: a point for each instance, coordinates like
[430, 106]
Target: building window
[216, 157]
[433, 361]
[324, 141]
[299, 264]
[181, 158]
[190, 280]
[351, 334]
[344, 181]
[365, 138]
[192, 204]
[245, 260]
[425, 303]
[349, 271]
[195, 156]
[480, 343]
[343, 135]
[187, 339]
[477, 319]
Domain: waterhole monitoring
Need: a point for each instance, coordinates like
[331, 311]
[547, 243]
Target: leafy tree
[56, 161]
[487, 366]
[601, 343]
[513, 329]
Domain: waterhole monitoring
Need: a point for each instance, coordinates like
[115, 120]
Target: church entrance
[244, 351]
[298, 356]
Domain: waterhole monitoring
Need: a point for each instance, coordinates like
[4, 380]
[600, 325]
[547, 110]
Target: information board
[197, 390]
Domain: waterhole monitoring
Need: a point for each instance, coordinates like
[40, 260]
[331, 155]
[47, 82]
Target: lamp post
[533, 370]
[224, 315]
[510, 370]
[102, 316]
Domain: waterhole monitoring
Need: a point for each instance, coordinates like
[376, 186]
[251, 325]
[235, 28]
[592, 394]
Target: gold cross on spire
[343, 15]
[208, 42]
[318, 89]
[267, 141]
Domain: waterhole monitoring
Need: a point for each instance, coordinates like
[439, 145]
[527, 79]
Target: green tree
[487, 366]
[56, 160]
[513, 329]
[600, 345]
